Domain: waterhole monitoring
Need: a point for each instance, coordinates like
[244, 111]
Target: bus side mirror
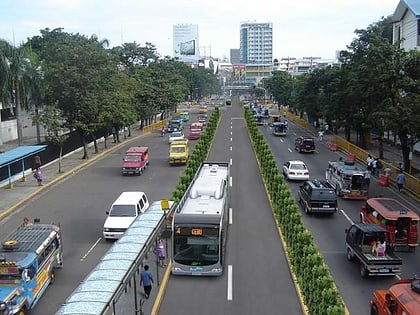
[25, 275]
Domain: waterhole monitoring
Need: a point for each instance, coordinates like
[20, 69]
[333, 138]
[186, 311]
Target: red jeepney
[196, 129]
[135, 161]
[399, 220]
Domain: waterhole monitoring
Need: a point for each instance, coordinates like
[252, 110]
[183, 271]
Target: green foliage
[313, 276]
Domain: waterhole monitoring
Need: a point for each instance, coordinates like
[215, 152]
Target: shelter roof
[19, 153]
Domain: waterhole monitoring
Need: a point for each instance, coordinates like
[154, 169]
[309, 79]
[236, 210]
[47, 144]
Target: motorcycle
[162, 132]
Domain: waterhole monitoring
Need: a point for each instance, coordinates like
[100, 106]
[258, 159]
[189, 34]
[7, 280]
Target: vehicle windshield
[196, 250]
[176, 134]
[297, 167]
[327, 194]
[122, 211]
[132, 158]
[177, 149]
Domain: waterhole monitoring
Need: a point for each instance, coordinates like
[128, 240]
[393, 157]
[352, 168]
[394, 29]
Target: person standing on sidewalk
[161, 253]
[146, 281]
[401, 180]
[38, 176]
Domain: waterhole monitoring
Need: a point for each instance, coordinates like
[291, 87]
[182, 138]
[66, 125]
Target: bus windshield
[196, 250]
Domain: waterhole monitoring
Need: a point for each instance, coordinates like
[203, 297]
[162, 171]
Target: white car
[295, 170]
[176, 135]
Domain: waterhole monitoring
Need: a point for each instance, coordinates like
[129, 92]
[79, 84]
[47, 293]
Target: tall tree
[15, 67]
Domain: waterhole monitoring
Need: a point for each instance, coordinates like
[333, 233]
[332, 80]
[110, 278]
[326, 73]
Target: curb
[63, 175]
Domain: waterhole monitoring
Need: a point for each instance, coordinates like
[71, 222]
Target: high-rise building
[235, 56]
[256, 50]
[185, 42]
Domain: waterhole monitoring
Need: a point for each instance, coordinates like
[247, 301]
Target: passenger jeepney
[348, 179]
[398, 219]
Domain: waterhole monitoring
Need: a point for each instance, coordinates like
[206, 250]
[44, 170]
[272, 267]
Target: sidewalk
[24, 189]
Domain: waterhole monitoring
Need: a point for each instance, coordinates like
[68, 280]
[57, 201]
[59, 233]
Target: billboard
[239, 73]
[185, 42]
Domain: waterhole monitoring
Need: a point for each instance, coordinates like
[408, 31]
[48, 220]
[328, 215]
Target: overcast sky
[301, 28]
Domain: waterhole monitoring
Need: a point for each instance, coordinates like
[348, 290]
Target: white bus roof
[206, 193]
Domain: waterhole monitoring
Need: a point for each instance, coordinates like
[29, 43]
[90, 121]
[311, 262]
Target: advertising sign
[239, 73]
[186, 42]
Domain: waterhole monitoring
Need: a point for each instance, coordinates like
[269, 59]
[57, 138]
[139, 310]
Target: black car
[305, 144]
[317, 197]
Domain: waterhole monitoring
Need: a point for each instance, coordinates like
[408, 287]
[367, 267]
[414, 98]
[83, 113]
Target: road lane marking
[230, 148]
[90, 249]
[346, 216]
[229, 285]
[290, 150]
[230, 216]
[230, 181]
[230, 162]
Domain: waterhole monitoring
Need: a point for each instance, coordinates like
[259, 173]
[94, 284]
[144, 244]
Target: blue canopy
[18, 154]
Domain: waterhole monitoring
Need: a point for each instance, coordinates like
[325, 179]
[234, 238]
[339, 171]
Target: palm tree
[14, 66]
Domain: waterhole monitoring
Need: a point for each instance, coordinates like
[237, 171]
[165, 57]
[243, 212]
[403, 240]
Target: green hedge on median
[315, 282]
[198, 155]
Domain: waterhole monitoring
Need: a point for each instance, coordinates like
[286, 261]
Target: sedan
[172, 128]
[295, 170]
[176, 135]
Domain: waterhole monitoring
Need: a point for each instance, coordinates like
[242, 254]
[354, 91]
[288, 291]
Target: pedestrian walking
[374, 163]
[367, 179]
[378, 167]
[387, 171]
[38, 176]
[369, 161]
[146, 281]
[161, 253]
[401, 180]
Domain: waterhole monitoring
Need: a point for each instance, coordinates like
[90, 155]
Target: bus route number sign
[196, 231]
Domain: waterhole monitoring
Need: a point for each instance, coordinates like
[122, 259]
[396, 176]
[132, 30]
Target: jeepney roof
[391, 209]
[348, 167]
[406, 295]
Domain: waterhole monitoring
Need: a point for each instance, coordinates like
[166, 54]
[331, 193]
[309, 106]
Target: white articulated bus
[199, 224]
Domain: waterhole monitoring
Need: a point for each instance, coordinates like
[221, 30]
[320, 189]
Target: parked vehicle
[176, 135]
[348, 179]
[305, 144]
[123, 211]
[295, 170]
[400, 221]
[402, 298]
[135, 161]
[317, 197]
[362, 246]
[179, 152]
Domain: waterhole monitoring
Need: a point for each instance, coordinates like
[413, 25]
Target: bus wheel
[52, 276]
[373, 310]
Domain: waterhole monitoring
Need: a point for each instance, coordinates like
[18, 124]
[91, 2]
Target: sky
[301, 28]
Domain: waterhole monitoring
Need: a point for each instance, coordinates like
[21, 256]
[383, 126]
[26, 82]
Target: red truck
[135, 161]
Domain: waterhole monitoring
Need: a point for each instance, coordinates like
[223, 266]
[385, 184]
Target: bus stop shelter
[18, 154]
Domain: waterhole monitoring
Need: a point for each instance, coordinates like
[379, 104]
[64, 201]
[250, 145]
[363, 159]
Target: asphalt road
[328, 231]
[79, 203]
[255, 261]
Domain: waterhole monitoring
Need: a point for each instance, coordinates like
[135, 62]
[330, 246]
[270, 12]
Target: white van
[128, 206]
